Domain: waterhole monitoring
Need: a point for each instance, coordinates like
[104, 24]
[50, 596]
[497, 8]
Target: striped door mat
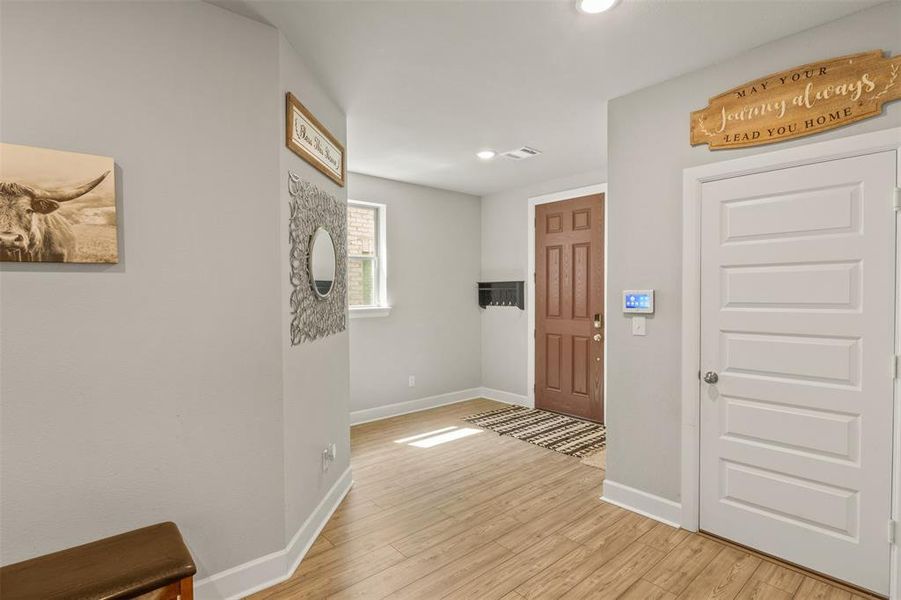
[567, 435]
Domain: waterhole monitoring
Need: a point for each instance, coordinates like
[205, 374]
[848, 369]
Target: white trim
[268, 570]
[643, 503]
[367, 312]
[381, 261]
[502, 396]
[691, 351]
[693, 178]
[600, 188]
[895, 566]
[402, 408]
[378, 413]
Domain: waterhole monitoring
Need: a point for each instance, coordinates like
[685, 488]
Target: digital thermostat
[638, 301]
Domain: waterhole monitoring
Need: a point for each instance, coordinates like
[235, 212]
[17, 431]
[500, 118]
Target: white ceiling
[426, 84]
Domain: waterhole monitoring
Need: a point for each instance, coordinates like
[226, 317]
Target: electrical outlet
[412, 381]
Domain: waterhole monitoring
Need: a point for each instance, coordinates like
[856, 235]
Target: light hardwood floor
[487, 516]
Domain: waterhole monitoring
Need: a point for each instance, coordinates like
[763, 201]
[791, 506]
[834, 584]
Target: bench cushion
[122, 566]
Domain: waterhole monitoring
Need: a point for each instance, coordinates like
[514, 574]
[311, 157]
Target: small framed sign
[310, 140]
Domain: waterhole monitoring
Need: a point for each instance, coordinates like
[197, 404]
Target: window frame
[381, 308]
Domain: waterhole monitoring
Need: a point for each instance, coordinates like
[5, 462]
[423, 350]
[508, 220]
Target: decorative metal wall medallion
[314, 316]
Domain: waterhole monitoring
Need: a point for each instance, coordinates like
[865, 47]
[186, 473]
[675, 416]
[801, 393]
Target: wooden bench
[151, 561]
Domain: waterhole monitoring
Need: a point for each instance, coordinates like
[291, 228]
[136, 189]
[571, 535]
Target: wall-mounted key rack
[502, 293]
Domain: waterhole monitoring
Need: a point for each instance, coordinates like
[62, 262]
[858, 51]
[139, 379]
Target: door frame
[693, 178]
[588, 190]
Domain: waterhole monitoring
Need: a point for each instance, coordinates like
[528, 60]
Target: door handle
[598, 321]
[597, 337]
[711, 377]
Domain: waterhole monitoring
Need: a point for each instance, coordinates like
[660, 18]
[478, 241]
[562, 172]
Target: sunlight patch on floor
[418, 436]
[439, 436]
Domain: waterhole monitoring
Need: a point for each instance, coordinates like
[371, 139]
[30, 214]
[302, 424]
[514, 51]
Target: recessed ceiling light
[593, 7]
[486, 154]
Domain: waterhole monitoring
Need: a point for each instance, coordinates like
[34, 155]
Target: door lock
[711, 377]
[597, 337]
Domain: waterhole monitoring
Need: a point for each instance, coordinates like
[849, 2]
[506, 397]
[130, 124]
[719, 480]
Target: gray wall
[154, 389]
[648, 149]
[504, 258]
[315, 373]
[433, 266]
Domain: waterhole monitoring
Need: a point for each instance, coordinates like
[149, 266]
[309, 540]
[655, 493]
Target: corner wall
[316, 374]
[648, 148]
[164, 387]
[433, 329]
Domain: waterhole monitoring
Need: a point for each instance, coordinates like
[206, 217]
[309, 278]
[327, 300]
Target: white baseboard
[502, 396]
[402, 408]
[378, 413]
[274, 568]
[643, 503]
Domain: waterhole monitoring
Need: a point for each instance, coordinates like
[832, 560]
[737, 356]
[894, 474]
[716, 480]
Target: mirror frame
[310, 207]
[317, 236]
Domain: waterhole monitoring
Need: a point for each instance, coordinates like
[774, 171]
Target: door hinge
[891, 531]
[898, 199]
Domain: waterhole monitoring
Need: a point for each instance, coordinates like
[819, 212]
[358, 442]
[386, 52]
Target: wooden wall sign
[310, 140]
[798, 102]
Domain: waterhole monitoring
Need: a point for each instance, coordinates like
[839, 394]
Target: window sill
[366, 312]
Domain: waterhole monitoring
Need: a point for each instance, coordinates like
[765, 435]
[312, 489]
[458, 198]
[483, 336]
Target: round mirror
[322, 262]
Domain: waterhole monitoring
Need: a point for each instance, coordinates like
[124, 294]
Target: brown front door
[569, 307]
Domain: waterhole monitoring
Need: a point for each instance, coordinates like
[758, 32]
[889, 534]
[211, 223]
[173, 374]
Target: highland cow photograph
[56, 206]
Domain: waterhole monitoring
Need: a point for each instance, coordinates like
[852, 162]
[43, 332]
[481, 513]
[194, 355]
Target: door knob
[597, 337]
[711, 377]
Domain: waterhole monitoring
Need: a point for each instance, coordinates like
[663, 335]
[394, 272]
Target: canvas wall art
[56, 206]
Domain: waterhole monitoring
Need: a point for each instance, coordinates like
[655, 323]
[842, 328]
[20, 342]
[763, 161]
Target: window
[366, 273]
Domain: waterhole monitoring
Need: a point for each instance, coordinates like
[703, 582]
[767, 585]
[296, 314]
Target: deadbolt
[711, 377]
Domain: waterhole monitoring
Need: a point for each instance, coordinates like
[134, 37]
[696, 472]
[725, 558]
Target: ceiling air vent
[521, 153]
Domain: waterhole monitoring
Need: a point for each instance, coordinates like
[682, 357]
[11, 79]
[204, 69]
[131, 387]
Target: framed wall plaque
[310, 140]
[801, 101]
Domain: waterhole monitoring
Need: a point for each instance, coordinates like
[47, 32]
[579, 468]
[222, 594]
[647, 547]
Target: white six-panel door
[797, 322]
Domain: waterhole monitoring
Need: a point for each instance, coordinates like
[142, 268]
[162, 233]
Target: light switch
[639, 325]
